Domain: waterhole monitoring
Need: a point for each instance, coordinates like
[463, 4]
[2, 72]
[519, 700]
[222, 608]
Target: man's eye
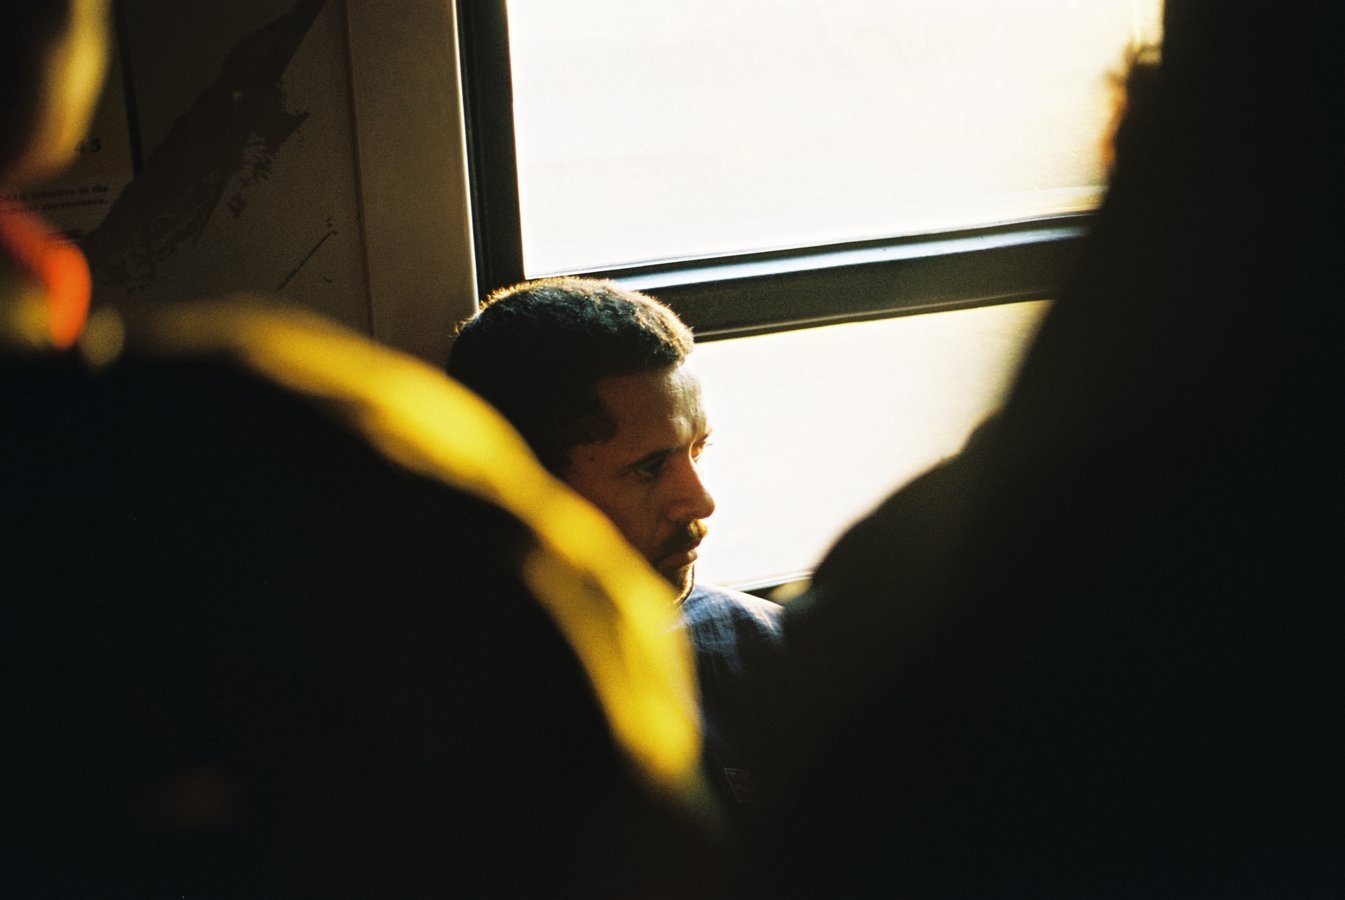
[649, 472]
[700, 448]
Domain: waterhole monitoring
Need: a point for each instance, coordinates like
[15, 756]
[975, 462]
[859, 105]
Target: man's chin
[681, 579]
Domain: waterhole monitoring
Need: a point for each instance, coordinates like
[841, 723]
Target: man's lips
[681, 550]
[681, 558]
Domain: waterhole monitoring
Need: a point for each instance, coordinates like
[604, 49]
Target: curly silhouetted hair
[536, 350]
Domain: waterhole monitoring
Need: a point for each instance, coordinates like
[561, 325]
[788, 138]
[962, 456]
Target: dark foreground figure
[1098, 654]
[246, 652]
[284, 614]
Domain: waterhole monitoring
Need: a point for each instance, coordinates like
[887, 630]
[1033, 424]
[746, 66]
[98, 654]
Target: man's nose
[692, 499]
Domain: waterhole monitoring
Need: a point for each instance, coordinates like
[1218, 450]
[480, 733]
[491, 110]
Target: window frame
[736, 295]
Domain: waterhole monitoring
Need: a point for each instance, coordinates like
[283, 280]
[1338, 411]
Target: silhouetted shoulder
[289, 613]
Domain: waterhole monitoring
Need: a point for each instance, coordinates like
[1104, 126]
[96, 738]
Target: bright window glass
[653, 130]
[813, 428]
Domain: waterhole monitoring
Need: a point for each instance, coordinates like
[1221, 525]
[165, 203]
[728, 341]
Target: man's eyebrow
[649, 459]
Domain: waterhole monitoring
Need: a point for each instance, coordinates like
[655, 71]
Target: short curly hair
[536, 350]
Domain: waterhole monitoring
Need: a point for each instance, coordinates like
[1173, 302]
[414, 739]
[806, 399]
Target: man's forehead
[660, 405]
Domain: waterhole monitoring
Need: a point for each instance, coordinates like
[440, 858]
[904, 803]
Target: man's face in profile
[646, 477]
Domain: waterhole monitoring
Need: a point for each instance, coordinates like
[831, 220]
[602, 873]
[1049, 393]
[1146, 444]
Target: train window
[814, 427]
[768, 167]
[653, 130]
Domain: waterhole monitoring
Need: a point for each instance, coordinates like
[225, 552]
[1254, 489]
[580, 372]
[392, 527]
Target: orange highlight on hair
[57, 265]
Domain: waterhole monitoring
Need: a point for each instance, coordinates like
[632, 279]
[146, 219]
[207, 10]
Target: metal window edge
[741, 297]
[728, 269]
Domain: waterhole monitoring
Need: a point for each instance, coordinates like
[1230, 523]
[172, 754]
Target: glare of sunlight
[706, 128]
[815, 427]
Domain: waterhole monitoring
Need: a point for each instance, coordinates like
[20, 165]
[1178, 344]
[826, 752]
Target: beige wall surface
[252, 121]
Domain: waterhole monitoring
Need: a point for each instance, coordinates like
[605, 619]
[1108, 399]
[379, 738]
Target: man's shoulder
[711, 602]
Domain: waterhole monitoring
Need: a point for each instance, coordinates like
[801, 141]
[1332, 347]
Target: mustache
[686, 539]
